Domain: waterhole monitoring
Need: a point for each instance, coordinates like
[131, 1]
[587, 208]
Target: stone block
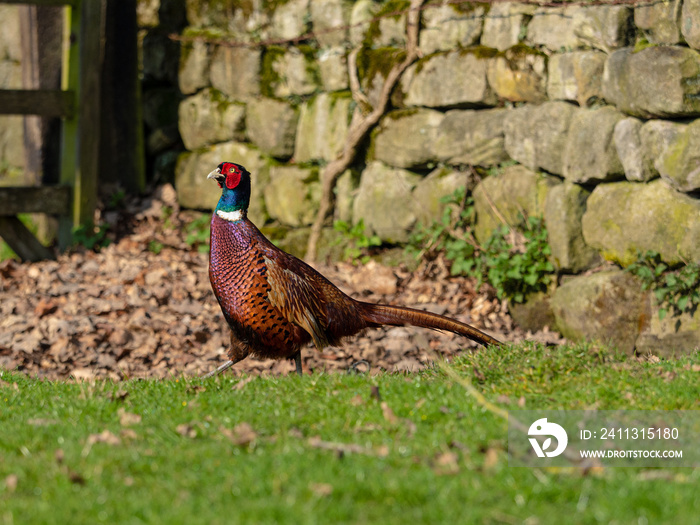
[333, 68]
[563, 210]
[690, 23]
[290, 19]
[609, 307]
[659, 81]
[535, 136]
[406, 138]
[235, 71]
[323, 126]
[659, 21]
[472, 137]
[679, 163]
[515, 192]
[623, 219]
[448, 80]
[429, 192]
[576, 76]
[289, 71]
[589, 152]
[271, 125]
[193, 72]
[447, 26]
[292, 195]
[209, 117]
[568, 28]
[384, 201]
[518, 74]
[504, 23]
[330, 19]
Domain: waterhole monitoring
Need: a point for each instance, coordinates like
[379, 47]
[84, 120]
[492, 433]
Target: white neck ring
[230, 216]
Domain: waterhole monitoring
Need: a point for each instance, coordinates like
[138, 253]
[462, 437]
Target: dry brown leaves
[127, 312]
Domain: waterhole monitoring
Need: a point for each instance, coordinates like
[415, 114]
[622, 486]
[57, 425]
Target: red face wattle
[232, 172]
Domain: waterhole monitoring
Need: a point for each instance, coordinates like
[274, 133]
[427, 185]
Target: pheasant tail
[382, 314]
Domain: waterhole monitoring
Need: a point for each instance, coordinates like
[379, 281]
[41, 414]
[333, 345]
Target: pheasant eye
[233, 178]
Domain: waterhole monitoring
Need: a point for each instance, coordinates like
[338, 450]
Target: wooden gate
[74, 199]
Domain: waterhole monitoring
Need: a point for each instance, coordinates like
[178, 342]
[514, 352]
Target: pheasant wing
[295, 292]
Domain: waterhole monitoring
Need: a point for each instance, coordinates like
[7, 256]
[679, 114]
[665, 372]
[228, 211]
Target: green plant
[357, 242]
[116, 200]
[676, 289]
[91, 236]
[198, 233]
[155, 247]
[515, 263]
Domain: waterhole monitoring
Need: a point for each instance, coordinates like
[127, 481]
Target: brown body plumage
[275, 303]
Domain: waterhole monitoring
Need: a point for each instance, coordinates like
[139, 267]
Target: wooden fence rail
[78, 104]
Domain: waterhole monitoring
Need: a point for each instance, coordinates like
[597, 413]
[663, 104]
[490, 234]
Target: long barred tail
[382, 314]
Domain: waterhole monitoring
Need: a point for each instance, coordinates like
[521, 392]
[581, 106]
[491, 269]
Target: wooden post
[82, 66]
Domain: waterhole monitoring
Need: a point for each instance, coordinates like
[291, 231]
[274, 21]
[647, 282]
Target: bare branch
[360, 127]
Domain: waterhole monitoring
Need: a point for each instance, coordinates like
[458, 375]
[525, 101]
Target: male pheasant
[275, 303]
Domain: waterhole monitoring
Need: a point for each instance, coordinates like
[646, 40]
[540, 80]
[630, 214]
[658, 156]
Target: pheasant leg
[297, 361]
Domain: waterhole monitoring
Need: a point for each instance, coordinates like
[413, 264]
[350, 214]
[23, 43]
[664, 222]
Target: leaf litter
[133, 311]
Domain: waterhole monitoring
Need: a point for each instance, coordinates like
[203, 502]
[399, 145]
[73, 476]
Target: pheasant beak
[217, 176]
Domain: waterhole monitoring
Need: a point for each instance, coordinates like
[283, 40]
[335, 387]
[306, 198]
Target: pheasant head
[234, 181]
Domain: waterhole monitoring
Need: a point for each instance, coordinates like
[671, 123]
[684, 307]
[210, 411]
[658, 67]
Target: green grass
[441, 459]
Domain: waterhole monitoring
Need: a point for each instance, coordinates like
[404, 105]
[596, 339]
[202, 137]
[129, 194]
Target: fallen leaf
[186, 430]
[357, 401]
[104, 437]
[242, 383]
[45, 307]
[294, 432]
[126, 419]
[41, 422]
[446, 463]
[127, 433]
[11, 482]
[503, 399]
[479, 375]
[521, 402]
[374, 393]
[75, 477]
[339, 448]
[491, 458]
[119, 395]
[321, 489]
[388, 414]
[83, 374]
[59, 455]
[241, 435]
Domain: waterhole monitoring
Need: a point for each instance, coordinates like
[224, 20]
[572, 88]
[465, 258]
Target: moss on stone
[380, 60]
[518, 52]
[268, 76]
[481, 52]
[386, 11]
[466, 8]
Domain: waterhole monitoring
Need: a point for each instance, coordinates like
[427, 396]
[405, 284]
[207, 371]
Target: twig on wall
[361, 125]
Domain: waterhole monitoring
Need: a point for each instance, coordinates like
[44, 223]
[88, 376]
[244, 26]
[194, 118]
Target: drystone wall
[591, 109]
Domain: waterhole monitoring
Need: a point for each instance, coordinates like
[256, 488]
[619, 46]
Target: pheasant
[275, 303]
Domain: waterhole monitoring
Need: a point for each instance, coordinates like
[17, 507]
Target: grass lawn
[324, 449]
